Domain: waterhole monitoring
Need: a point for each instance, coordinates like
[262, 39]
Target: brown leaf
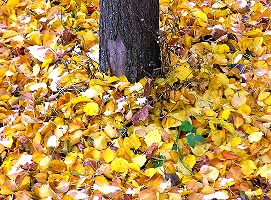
[142, 114]
[67, 37]
[147, 89]
[151, 149]
[147, 194]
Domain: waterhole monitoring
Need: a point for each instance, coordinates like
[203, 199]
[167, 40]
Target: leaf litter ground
[70, 132]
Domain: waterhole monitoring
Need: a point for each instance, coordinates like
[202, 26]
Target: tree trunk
[128, 38]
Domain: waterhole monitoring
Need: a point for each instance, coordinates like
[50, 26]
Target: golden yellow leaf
[44, 163]
[152, 136]
[108, 155]
[78, 100]
[57, 166]
[135, 141]
[167, 122]
[267, 101]
[238, 121]
[110, 131]
[189, 161]
[9, 33]
[244, 109]
[134, 166]
[119, 165]
[201, 15]
[225, 114]
[5, 190]
[70, 159]
[183, 72]
[100, 142]
[265, 171]
[263, 95]
[210, 173]
[46, 191]
[199, 149]
[139, 159]
[248, 167]
[209, 113]
[221, 49]
[255, 137]
[235, 141]
[101, 181]
[46, 62]
[150, 172]
[91, 108]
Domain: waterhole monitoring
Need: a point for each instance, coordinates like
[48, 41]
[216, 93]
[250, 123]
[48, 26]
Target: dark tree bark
[128, 38]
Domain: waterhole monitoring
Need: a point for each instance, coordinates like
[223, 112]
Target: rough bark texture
[128, 38]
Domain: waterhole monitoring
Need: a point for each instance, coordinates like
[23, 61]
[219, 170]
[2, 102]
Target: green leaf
[199, 138]
[193, 130]
[159, 162]
[186, 126]
[191, 143]
[75, 173]
[175, 147]
[190, 136]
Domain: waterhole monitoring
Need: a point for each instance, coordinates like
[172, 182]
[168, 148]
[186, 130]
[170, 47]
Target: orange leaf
[229, 156]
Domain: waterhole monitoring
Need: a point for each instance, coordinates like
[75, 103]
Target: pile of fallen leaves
[67, 131]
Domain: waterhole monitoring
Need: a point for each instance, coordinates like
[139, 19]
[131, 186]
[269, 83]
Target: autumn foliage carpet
[202, 131]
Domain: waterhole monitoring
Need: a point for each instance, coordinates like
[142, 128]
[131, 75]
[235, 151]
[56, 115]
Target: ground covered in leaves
[202, 131]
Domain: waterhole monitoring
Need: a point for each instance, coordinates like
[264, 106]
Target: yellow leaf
[151, 137]
[44, 163]
[70, 159]
[89, 36]
[110, 131]
[201, 15]
[225, 114]
[218, 136]
[265, 171]
[9, 33]
[238, 99]
[12, 3]
[150, 172]
[108, 155]
[100, 142]
[263, 95]
[46, 191]
[199, 149]
[101, 181]
[5, 190]
[134, 166]
[79, 99]
[238, 121]
[139, 159]
[37, 138]
[183, 72]
[112, 79]
[255, 137]
[189, 161]
[119, 165]
[248, 167]
[267, 101]
[135, 141]
[167, 122]
[209, 113]
[221, 49]
[46, 62]
[209, 172]
[235, 141]
[91, 108]
[83, 8]
[244, 109]
[57, 166]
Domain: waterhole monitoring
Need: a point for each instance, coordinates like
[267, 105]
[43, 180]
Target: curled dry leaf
[142, 114]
